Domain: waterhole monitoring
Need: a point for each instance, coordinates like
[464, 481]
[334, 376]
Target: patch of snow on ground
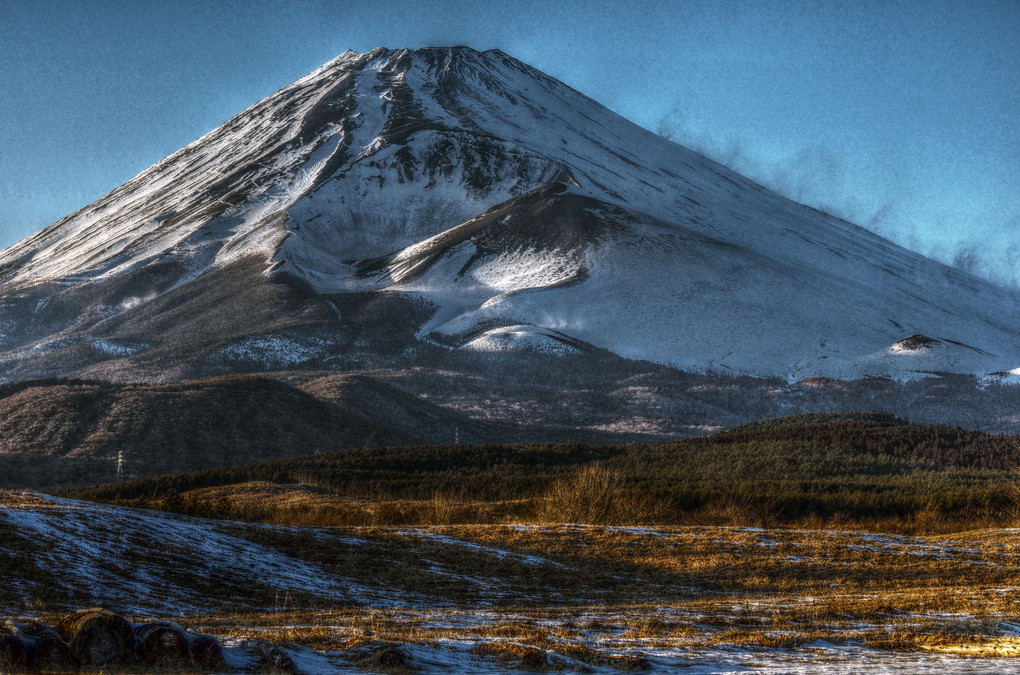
[526, 269]
[446, 656]
[274, 350]
[499, 553]
[87, 546]
[59, 343]
[116, 349]
[1009, 377]
[520, 338]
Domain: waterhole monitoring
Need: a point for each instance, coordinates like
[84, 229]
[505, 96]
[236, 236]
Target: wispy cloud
[815, 175]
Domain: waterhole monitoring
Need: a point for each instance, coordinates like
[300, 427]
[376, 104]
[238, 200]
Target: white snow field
[386, 161]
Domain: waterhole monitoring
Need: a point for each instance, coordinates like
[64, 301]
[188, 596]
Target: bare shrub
[388, 513]
[1013, 505]
[442, 509]
[1013, 478]
[250, 508]
[736, 510]
[645, 509]
[589, 495]
[929, 520]
[1014, 508]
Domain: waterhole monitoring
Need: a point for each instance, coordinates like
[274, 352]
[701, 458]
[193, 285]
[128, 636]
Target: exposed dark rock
[915, 342]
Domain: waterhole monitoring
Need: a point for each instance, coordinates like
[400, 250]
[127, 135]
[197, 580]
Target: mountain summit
[399, 204]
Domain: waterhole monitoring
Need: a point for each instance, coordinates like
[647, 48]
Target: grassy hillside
[848, 466]
[491, 598]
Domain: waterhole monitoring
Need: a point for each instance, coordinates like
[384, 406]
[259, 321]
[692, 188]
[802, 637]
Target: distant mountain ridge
[396, 204]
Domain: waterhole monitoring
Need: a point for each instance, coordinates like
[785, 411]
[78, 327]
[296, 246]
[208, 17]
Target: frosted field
[453, 656]
[482, 599]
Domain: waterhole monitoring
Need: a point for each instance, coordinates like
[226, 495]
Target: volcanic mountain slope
[495, 209]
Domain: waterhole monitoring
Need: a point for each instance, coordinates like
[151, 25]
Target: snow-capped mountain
[466, 201]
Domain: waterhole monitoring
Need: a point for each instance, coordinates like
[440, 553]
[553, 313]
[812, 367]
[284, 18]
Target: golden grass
[517, 656]
[22, 498]
[690, 588]
[310, 506]
[588, 594]
[591, 496]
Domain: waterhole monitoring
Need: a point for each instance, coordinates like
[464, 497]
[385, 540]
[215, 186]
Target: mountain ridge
[342, 179]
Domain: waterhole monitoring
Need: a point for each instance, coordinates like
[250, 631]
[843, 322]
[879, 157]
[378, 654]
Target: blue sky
[903, 117]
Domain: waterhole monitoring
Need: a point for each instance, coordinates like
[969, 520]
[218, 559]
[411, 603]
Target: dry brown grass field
[311, 506]
[528, 596]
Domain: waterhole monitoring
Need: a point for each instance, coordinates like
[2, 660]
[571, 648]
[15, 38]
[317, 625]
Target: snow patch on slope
[117, 349]
[522, 339]
[88, 545]
[273, 351]
[382, 205]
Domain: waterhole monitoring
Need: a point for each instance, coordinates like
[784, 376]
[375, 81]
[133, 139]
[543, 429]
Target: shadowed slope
[63, 434]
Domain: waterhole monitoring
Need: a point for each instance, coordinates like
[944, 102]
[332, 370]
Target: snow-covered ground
[521, 338]
[492, 599]
[273, 351]
[446, 656]
[113, 556]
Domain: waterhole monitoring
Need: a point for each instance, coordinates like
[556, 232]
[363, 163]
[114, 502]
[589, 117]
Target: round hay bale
[50, 652]
[13, 650]
[389, 657]
[161, 642]
[205, 650]
[46, 649]
[98, 637]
